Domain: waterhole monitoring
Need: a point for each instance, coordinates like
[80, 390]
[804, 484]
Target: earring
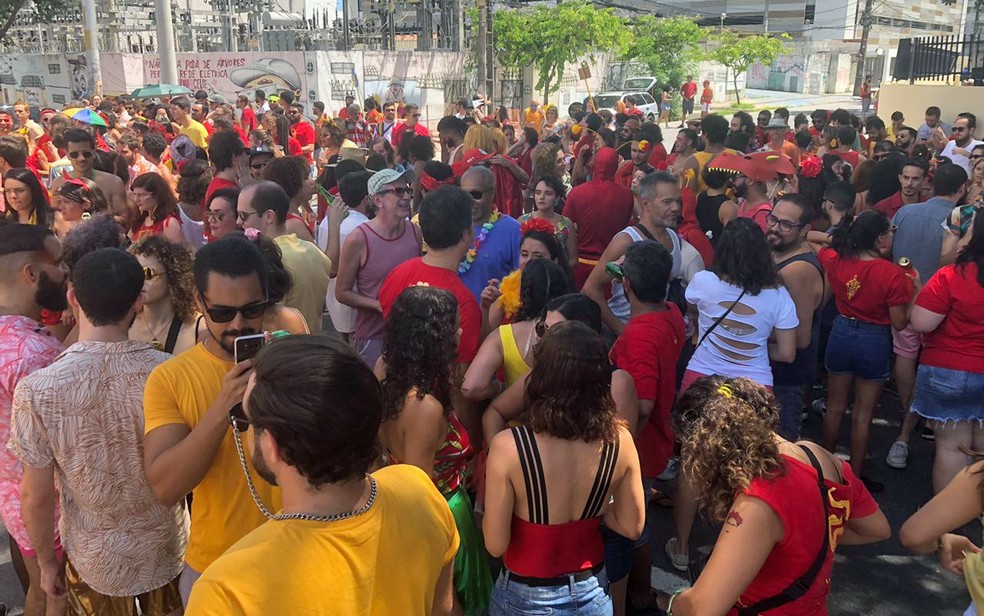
[86, 215]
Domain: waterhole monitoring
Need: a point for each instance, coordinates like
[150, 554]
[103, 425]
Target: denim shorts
[619, 552]
[859, 348]
[946, 395]
[587, 598]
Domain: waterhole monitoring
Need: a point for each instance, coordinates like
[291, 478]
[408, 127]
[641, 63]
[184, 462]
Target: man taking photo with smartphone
[188, 446]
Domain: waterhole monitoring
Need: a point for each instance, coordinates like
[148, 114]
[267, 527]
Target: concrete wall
[809, 72]
[912, 101]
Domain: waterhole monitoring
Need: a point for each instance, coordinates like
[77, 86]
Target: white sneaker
[671, 471]
[680, 562]
[898, 455]
[819, 406]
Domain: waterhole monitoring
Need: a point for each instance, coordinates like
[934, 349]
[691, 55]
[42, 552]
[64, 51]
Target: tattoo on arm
[734, 519]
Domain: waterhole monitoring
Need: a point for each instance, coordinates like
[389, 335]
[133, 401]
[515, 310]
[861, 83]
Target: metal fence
[940, 58]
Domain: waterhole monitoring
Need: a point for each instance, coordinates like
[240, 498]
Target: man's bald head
[480, 173]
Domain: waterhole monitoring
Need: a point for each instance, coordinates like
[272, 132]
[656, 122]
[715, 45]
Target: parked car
[643, 100]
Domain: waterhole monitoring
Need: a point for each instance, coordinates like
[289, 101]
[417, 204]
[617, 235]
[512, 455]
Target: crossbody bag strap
[718, 320]
[799, 588]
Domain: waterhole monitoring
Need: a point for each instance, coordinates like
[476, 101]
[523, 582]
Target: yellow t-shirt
[197, 133]
[309, 269]
[386, 561]
[179, 391]
[534, 118]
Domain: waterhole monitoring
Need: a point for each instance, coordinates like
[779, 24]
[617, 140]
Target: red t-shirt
[795, 497]
[958, 342]
[600, 209]
[865, 290]
[757, 213]
[657, 158]
[889, 205]
[304, 133]
[294, 147]
[248, 119]
[635, 111]
[649, 350]
[623, 177]
[850, 157]
[242, 135]
[689, 90]
[415, 272]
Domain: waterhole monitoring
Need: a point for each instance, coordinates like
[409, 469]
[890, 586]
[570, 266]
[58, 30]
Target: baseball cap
[260, 149]
[384, 177]
[468, 160]
[218, 98]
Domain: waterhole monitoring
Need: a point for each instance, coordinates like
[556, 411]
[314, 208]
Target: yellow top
[384, 562]
[197, 133]
[309, 269]
[179, 391]
[513, 364]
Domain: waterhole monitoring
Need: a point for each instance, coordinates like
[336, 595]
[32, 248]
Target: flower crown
[811, 166]
[536, 224]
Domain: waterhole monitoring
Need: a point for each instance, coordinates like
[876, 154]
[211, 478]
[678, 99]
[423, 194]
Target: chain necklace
[155, 342]
[296, 516]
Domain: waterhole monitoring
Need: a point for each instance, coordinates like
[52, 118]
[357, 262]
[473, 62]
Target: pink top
[382, 257]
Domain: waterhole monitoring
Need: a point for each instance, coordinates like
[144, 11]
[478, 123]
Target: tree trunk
[10, 18]
[737, 96]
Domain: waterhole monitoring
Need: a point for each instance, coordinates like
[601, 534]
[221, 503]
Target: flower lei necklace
[483, 234]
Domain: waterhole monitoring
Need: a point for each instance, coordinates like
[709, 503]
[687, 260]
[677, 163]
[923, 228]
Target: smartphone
[246, 347]
[614, 270]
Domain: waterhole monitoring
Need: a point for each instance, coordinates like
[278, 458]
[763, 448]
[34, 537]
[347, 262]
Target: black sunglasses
[400, 192]
[83, 154]
[225, 314]
[477, 195]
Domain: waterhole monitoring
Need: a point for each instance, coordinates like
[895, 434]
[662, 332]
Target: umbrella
[89, 117]
[160, 89]
[72, 111]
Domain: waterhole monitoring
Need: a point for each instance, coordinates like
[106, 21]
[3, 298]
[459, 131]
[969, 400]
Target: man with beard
[802, 275]
[32, 280]
[920, 239]
[905, 139]
[188, 446]
[451, 131]
[129, 148]
[122, 545]
[345, 542]
[411, 126]
[6, 123]
[640, 149]
[911, 180]
[959, 148]
[81, 151]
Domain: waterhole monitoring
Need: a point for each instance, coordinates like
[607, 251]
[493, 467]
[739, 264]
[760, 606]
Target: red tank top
[543, 550]
[382, 257]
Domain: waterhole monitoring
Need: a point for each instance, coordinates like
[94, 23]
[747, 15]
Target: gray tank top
[619, 303]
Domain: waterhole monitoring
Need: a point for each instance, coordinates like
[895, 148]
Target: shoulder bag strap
[719, 319]
[799, 588]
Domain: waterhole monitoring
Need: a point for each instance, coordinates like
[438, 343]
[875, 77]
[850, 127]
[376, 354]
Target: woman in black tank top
[710, 203]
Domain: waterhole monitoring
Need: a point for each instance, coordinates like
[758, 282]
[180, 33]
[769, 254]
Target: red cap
[469, 160]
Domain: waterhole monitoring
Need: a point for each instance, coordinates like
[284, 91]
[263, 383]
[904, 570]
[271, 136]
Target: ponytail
[856, 235]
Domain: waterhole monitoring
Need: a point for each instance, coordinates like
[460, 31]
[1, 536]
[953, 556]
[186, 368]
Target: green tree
[669, 47]
[550, 38]
[40, 11]
[737, 52]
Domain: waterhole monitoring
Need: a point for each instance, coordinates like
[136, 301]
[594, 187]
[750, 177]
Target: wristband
[669, 605]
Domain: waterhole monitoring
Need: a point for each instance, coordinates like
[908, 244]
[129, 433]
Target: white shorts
[705, 107]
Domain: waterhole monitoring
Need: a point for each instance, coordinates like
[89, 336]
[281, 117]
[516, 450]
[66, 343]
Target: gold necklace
[155, 342]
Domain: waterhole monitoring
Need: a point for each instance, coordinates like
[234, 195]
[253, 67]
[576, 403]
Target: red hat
[469, 160]
[758, 167]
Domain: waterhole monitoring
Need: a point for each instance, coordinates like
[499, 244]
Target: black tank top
[708, 207]
[803, 369]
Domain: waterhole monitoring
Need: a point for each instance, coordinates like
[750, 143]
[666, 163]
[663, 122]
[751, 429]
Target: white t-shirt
[959, 159]
[342, 316]
[738, 346]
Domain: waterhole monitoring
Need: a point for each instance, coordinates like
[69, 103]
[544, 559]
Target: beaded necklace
[480, 238]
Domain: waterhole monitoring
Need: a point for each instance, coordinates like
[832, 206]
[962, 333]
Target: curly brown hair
[569, 391]
[419, 349]
[177, 262]
[726, 429]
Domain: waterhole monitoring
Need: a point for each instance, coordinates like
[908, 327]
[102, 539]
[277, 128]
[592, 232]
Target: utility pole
[233, 35]
[346, 43]
[765, 17]
[483, 50]
[90, 37]
[723, 17]
[863, 51]
[165, 41]
[191, 28]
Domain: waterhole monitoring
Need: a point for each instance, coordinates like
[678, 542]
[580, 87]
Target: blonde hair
[726, 429]
[480, 137]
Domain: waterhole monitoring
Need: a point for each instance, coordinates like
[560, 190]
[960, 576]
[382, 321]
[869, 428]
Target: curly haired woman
[167, 321]
[784, 506]
[419, 426]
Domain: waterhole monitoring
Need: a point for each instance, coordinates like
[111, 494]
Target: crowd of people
[535, 330]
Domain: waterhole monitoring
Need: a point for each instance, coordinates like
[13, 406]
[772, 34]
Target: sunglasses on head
[225, 314]
[84, 154]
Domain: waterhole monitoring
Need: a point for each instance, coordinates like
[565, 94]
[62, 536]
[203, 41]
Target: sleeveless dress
[513, 363]
[472, 579]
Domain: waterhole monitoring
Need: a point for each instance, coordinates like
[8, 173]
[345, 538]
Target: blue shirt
[498, 256]
[920, 236]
